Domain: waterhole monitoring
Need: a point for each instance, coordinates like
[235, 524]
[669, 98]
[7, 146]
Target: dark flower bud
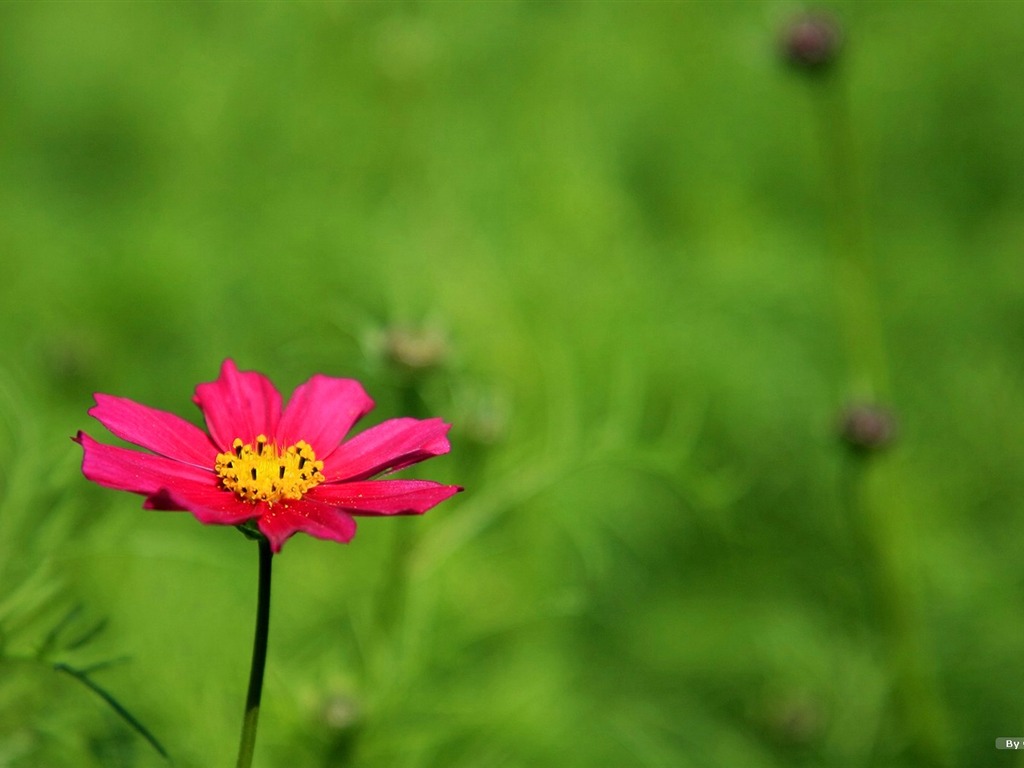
[812, 41]
[867, 428]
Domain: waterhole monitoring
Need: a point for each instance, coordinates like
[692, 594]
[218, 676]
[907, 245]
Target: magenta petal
[321, 412]
[385, 497]
[210, 505]
[128, 470]
[281, 521]
[240, 404]
[156, 430]
[389, 446]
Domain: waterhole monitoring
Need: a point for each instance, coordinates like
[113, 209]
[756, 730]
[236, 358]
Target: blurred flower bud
[812, 41]
[415, 351]
[794, 719]
[340, 712]
[342, 717]
[867, 428]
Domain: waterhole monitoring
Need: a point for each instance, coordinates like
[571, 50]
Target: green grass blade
[114, 704]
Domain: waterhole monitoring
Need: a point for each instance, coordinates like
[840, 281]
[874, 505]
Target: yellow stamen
[257, 472]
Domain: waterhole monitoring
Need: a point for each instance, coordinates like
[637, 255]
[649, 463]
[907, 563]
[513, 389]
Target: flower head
[286, 468]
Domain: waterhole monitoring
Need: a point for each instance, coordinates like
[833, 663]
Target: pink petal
[385, 497]
[281, 521]
[389, 446]
[240, 404]
[128, 470]
[159, 431]
[210, 505]
[321, 412]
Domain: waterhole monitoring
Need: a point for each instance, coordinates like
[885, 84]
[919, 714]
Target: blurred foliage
[606, 222]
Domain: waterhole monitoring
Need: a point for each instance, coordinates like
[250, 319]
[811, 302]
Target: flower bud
[795, 718]
[340, 712]
[415, 351]
[867, 428]
[812, 41]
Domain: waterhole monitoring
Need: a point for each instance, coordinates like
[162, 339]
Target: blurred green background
[608, 226]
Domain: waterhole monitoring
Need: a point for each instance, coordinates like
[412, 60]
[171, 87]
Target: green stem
[855, 279]
[259, 658]
[871, 489]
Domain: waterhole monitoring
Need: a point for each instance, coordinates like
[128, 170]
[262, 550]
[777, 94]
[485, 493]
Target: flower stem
[855, 279]
[259, 658]
[872, 488]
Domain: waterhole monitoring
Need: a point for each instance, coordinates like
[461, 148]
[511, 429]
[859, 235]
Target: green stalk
[877, 517]
[855, 279]
[871, 488]
[259, 658]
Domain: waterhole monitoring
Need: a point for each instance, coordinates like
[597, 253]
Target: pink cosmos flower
[288, 469]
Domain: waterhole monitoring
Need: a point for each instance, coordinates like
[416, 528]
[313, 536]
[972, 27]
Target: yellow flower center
[256, 471]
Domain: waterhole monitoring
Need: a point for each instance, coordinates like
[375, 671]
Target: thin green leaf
[114, 704]
[50, 641]
[87, 636]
